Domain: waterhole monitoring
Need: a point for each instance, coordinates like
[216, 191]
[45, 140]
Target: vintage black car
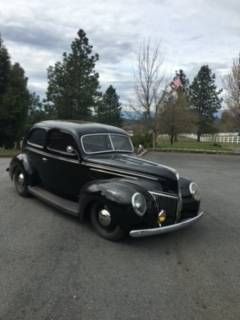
[90, 170]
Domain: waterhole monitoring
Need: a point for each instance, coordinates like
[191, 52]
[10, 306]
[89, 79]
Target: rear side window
[59, 141]
[37, 137]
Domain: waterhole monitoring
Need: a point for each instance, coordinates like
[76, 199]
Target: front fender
[21, 160]
[117, 195]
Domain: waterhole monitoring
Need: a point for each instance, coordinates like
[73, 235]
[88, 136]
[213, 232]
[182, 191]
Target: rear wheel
[20, 181]
[101, 219]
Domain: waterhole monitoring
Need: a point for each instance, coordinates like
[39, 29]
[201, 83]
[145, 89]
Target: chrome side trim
[34, 145]
[113, 173]
[65, 153]
[111, 170]
[163, 194]
[160, 230]
[49, 155]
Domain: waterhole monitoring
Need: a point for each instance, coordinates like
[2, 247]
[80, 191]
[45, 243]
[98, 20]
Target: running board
[64, 205]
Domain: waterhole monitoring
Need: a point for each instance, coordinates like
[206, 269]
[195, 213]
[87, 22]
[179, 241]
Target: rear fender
[21, 160]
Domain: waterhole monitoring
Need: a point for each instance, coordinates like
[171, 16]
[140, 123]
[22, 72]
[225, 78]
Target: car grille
[166, 202]
[190, 208]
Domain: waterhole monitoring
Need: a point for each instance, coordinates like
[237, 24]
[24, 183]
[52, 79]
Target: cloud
[111, 47]
[191, 34]
[195, 38]
[33, 36]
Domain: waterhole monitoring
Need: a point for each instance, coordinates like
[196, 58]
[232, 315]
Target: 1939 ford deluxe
[90, 170]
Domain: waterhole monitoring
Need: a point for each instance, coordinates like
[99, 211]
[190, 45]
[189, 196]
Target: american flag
[176, 83]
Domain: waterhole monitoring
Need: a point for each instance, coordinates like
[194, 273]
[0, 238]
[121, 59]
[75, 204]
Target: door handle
[44, 159]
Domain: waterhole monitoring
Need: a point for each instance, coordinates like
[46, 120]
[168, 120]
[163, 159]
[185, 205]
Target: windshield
[97, 143]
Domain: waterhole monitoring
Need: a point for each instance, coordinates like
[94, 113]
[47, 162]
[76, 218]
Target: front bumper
[160, 230]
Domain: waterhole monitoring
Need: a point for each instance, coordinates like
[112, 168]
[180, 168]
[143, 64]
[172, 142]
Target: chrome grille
[167, 202]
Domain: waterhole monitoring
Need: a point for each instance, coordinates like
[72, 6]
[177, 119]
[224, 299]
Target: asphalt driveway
[52, 267]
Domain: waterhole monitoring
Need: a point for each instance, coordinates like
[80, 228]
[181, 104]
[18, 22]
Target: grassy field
[8, 153]
[181, 146]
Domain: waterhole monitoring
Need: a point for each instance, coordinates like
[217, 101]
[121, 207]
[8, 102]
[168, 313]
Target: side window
[59, 141]
[37, 137]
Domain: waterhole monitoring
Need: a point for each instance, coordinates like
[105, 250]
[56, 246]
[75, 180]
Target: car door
[63, 171]
[34, 148]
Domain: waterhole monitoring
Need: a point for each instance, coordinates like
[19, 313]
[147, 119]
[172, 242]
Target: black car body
[91, 170]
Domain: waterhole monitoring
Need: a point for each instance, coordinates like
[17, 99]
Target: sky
[190, 34]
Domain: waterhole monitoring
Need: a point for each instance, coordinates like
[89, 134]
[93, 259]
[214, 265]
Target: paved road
[51, 267]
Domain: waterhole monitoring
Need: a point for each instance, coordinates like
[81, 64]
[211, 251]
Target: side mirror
[70, 150]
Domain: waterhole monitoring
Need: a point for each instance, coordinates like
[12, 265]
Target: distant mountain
[131, 115]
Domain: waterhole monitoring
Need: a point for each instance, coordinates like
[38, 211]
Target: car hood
[131, 165]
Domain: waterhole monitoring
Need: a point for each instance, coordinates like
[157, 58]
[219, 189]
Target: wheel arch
[117, 192]
[21, 160]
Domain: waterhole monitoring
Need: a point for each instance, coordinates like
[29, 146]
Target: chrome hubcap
[21, 178]
[104, 217]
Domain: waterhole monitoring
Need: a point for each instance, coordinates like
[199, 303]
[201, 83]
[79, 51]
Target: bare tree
[228, 122]
[176, 116]
[150, 88]
[232, 85]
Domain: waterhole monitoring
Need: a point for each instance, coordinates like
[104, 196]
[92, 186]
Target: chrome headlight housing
[195, 191]
[139, 204]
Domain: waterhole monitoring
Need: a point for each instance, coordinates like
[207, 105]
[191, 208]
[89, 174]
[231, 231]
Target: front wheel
[101, 219]
[20, 181]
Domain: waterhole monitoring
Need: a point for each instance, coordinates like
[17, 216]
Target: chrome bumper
[160, 230]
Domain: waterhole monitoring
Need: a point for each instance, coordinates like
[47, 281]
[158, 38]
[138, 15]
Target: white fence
[221, 137]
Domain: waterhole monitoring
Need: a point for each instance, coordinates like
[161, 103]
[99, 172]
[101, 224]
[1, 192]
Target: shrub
[218, 145]
[144, 139]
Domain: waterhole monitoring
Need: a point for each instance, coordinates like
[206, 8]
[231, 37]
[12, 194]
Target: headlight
[195, 191]
[139, 204]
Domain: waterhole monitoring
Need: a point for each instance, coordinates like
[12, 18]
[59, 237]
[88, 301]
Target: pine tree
[4, 68]
[109, 109]
[73, 83]
[205, 100]
[4, 78]
[184, 80]
[14, 100]
[15, 103]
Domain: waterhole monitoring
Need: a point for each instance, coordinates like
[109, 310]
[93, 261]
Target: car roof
[79, 127]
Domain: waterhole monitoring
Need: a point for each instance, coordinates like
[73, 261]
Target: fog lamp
[162, 216]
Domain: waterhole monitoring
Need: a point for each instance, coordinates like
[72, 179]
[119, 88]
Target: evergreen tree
[205, 100]
[4, 68]
[109, 109]
[73, 83]
[184, 80]
[4, 78]
[14, 108]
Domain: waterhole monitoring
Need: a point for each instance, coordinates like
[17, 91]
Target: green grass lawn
[8, 153]
[164, 145]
